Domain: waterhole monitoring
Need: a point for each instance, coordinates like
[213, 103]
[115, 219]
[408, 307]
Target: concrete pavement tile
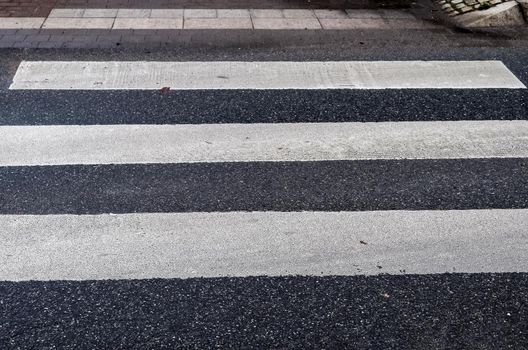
[298, 13]
[166, 13]
[68, 13]
[100, 13]
[286, 23]
[266, 13]
[218, 23]
[78, 23]
[233, 13]
[364, 13]
[199, 13]
[354, 23]
[148, 23]
[21, 23]
[396, 14]
[330, 14]
[133, 13]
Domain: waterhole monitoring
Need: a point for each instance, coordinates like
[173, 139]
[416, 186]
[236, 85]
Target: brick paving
[459, 7]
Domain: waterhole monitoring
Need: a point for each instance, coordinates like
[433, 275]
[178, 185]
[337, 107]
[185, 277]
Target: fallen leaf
[165, 89]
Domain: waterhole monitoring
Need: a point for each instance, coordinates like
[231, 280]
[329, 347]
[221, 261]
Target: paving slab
[218, 23]
[100, 13]
[331, 14]
[286, 23]
[67, 13]
[148, 23]
[233, 13]
[354, 23]
[258, 13]
[133, 13]
[21, 22]
[166, 13]
[78, 23]
[199, 13]
[292, 13]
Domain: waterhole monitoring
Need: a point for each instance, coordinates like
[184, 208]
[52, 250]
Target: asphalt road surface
[265, 217]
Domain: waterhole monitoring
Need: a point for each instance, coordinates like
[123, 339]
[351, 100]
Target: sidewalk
[42, 8]
[137, 27]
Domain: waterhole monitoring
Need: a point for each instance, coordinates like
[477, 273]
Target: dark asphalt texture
[447, 311]
[253, 106]
[262, 186]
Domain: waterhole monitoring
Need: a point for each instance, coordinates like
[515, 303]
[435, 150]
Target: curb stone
[479, 14]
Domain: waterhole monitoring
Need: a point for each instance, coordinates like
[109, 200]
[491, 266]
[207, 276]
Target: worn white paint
[50, 247]
[121, 144]
[112, 75]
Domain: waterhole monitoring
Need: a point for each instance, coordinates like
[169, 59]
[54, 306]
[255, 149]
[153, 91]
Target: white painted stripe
[121, 144]
[48, 247]
[263, 75]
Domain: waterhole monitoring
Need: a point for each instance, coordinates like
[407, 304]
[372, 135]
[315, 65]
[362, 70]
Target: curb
[473, 14]
[505, 14]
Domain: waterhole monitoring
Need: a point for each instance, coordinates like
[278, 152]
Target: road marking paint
[118, 75]
[124, 144]
[181, 245]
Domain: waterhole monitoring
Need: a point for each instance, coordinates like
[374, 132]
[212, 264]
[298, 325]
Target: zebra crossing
[208, 200]
[258, 203]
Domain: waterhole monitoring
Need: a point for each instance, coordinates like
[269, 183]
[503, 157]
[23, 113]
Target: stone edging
[486, 13]
[458, 7]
